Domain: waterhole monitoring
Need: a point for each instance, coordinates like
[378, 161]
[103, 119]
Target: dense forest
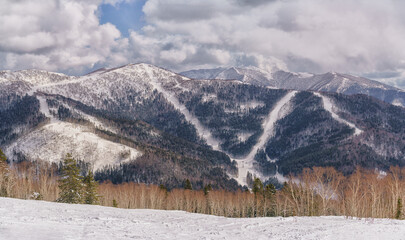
[166, 158]
[22, 115]
[232, 109]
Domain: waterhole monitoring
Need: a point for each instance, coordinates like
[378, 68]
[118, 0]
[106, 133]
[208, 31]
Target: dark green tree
[187, 185]
[70, 183]
[398, 214]
[90, 189]
[207, 189]
[270, 199]
[269, 191]
[257, 187]
[258, 191]
[115, 203]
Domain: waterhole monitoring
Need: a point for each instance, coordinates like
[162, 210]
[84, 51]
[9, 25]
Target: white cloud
[303, 35]
[363, 36]
[55, 35]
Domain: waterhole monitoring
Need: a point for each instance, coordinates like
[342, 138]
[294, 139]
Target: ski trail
[201, 130]
[44, 109]
[279, 111]
[328, 106]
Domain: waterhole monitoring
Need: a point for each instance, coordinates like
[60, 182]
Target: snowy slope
[28, 219]
[186, 106]
[329, 106]
[52, 141]
[279, 111]
[250, 75]
[327, 82]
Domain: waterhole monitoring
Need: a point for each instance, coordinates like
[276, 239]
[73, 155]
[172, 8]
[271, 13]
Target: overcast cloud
[363, 37]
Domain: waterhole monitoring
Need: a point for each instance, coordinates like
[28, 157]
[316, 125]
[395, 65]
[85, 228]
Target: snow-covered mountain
[328, 82]
[156, 126]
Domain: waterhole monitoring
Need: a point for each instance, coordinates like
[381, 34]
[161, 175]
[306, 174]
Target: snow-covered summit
[251, 74]
[327, 82]
[34, 76]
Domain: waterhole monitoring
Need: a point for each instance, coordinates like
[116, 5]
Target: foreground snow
[24, 219]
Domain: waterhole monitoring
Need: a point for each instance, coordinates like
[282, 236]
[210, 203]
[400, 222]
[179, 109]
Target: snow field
[52, 141]
[29, 219]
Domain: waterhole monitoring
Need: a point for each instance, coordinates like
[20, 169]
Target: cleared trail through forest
[329, 106]
[279, 111]
[201, 130]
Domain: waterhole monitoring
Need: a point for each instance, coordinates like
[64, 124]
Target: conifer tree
[115, 203]
[398, 214]
[269, 198]
[70, 184]
[207, 189]
[269, 191]
[187, 185]
[258, 191]
[257, 186]
[90, 189]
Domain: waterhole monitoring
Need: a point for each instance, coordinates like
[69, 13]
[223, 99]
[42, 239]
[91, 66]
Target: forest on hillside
[315, 191]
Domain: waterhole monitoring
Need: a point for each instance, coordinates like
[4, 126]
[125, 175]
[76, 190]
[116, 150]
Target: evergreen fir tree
[270, 198]
[90, 189]
[70, 184]
[398, 214]
[258, 191]
[115, 203]
[187, 185]
[269, 191]
[207, 189]
[257, 186]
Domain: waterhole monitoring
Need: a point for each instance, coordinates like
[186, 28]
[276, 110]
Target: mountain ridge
[207, 131]
[326, 82]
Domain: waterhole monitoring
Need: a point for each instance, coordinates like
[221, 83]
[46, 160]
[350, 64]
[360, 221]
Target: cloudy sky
[361, 37]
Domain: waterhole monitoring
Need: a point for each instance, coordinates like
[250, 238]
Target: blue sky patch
[125, 15]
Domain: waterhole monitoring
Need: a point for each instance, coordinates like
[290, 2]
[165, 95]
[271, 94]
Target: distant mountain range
[146, 124]
[327, 82]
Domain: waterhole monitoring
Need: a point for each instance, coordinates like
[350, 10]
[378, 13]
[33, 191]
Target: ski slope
[29, 219]
[201, 130]
[328, 106]
[279, 111]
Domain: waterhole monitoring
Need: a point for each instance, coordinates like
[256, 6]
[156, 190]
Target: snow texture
[327, 82]
[29, 219]
[57, 138]
[52, 141]
[279, 111]
[201, 130]
[329, 106]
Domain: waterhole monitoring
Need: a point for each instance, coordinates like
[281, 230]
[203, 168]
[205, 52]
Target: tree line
[313, 192]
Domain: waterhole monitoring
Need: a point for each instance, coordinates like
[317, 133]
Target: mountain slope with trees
[164, 128]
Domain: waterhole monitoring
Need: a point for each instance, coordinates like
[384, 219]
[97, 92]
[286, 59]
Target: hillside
[25, 219]
[143, 123]
[327, 82]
